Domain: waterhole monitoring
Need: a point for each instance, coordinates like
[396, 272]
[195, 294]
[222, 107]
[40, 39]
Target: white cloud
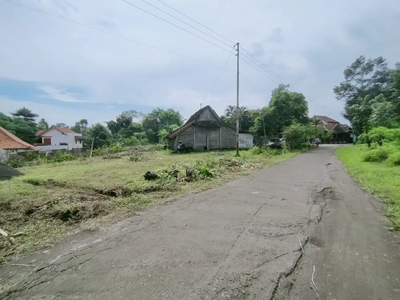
[57, 94]
[308, 45]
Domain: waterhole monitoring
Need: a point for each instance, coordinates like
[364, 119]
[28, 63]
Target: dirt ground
[302, 229]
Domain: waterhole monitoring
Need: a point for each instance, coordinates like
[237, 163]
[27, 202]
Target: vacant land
[51, 200]
[380, 178]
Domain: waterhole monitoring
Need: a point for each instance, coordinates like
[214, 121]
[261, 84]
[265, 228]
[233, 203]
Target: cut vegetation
[53, 199]
[379, 171]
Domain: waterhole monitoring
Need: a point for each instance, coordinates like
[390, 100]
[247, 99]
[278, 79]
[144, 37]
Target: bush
[376, 155]
[16, 162]
[394, 159]
[61, 157]
[297, 134]
[256, 150]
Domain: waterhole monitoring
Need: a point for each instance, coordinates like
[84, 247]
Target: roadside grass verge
[381, 177]
[54, 200]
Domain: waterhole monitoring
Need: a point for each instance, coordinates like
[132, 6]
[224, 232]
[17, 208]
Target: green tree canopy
[286, 108]
[80, 126]
[25, 114]
[159, 119]
[364, 80]
[100, 135]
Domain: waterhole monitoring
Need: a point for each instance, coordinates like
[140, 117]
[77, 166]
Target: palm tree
[316, 122]
[230, 111]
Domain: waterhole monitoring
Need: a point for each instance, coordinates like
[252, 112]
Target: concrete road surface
[302, 229]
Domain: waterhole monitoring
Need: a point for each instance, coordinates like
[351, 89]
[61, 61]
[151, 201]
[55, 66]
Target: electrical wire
[249, 56]
[183, 29]
[195, 21]
[265, 67]
[265, 74]
[172, 16]
[219, 74]
[110, 33]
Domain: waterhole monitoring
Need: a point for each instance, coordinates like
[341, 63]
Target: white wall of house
[61, 140]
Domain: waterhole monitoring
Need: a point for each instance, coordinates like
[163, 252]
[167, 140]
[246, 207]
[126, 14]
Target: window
[63, 144]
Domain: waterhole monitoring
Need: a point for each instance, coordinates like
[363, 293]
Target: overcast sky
[65, 72]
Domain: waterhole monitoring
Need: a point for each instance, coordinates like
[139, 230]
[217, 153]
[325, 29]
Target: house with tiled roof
[58, 138]
[341, 133]
[9, 141]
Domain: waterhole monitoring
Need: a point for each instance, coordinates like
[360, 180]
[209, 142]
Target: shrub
[256, 150]
[61, 157]
[376, 155]
[205, 172]
[394, 159]
[16, 162]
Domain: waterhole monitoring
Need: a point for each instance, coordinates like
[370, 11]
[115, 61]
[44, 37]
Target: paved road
[298, 230]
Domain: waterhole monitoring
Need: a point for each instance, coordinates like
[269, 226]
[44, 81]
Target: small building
[10, 144]
[341, 133]
[60, 138]
[205, 130]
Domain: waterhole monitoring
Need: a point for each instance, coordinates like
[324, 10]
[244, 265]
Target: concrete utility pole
[237, 101]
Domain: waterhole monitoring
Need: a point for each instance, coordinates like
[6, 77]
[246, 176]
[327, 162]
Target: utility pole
[237, 101]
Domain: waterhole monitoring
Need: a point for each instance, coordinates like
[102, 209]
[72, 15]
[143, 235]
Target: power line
[249, 56]
[265, 67]
[110, 33]
[142, 9]
[172, 16]
[195, 21]
[260, 70]
[219, 74]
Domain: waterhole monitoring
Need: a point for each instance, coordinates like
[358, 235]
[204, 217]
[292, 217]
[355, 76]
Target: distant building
[341, 133]
[205, 131]
[9, 141]
[10, 144]
[59, 138]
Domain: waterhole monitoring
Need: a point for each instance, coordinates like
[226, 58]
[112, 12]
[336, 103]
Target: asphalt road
[302, 229]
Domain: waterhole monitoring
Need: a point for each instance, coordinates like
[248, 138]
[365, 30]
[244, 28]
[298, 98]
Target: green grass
[52, 200]
[380, 178]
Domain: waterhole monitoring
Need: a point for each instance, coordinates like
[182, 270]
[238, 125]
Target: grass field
[381, 179]
[52, 200]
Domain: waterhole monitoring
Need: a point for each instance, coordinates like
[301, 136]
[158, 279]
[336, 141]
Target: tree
[99, 134]
[297, 134]
[286, 108]
[25, 114]
[159, 119]
[263, 123]
[364, 81]
[63, 125]
[246, 117]
[282, 88]
[80, 126]
[382, 113]
[43, 125]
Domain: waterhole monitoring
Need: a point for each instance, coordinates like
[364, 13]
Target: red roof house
[8, 141]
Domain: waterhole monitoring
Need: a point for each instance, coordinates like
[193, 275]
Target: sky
[98, 68]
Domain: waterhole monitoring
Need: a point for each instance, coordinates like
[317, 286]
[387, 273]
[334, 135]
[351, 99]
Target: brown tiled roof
[8, 141]
[330, 124]
[325, 119]
[39, 133]
[60, 129]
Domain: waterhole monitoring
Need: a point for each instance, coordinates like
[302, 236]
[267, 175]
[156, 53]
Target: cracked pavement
[259, 237]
